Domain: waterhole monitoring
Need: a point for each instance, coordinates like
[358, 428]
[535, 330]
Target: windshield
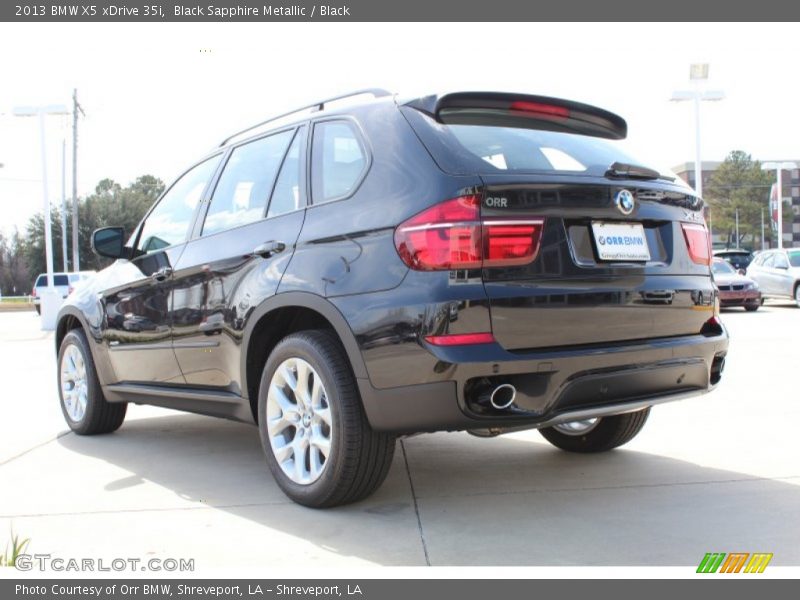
[720, 266]
[510, 149]
[794, 259]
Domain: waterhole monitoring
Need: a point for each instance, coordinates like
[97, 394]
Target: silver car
[777, 273]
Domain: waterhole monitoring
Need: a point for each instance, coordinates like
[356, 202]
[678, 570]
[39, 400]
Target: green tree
[110, 204]
[739, 184]
[14, 276]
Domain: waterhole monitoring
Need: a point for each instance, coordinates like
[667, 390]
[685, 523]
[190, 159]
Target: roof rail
[315, 107]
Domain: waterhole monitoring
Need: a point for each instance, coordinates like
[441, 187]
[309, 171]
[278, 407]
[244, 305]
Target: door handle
[267, 249]
[162, 274]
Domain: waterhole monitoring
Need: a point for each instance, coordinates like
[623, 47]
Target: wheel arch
[281, 315]
[71, 318]
[68, 320]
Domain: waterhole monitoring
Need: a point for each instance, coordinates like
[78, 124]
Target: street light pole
[779, 167]
[48, 234]
[49, 301]
[698, 161]
[698, 74]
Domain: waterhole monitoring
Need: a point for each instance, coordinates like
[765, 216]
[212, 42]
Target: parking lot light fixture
[49, 301]
[698, 74]
[779, 167]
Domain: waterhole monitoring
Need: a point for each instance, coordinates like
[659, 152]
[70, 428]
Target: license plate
[620, 241]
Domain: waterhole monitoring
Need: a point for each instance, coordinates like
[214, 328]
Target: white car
[65, 284]
[777, 273]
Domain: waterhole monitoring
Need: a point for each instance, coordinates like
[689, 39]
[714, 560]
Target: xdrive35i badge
[625, 202]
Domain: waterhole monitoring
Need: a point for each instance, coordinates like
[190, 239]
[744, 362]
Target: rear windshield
[720, 266]
[509, 149]
[57, 280]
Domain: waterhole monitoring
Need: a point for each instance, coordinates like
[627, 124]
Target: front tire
[318, 443]
[85, 408]
[752, 307]
[596, 435]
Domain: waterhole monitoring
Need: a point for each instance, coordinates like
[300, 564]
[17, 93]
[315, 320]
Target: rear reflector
[698, 242]
[460, 339]
[451, 235]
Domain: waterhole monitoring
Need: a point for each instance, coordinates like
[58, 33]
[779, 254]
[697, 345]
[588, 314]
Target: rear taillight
[698, 242]
[33, 293]
[451, 235]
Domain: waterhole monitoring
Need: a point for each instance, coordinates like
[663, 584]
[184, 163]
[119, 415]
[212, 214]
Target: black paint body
[572, 333]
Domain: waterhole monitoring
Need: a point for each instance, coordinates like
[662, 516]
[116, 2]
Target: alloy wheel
[299, 421]
[74, 384]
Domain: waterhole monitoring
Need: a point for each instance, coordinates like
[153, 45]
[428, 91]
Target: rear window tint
[463, 149]
[510, 149]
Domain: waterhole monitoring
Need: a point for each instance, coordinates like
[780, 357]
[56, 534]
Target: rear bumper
[553, 386]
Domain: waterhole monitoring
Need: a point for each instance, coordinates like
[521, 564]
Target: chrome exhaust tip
[503, 396]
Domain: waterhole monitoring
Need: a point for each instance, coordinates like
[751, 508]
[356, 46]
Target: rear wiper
[620, 170]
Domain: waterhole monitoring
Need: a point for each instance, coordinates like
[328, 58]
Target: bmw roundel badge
[625, 202]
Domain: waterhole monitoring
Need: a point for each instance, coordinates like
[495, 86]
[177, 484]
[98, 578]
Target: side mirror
[109, 242]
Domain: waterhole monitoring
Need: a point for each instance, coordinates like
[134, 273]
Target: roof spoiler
[524, 111]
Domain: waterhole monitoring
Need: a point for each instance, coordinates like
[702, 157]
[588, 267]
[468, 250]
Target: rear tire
[85, 408]
[308, 404]
[608, 433]
[752, 307]
[38, 309]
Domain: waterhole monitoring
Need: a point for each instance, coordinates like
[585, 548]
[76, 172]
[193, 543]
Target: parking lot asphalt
[718, 473]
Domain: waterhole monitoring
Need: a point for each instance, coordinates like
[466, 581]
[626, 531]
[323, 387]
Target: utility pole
[64, 203]
[76, 262]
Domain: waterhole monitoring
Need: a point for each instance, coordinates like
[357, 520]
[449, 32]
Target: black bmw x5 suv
[342, 275]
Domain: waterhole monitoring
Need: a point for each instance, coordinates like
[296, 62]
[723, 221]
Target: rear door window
[338, 162]
[287, 194]
[780, 262]
[244, 188]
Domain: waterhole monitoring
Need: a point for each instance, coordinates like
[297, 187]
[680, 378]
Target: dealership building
[791, 190]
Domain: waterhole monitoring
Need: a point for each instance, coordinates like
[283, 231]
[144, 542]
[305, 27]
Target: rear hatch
[606, 250]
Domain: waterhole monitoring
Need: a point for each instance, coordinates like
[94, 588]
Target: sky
[159, 96]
